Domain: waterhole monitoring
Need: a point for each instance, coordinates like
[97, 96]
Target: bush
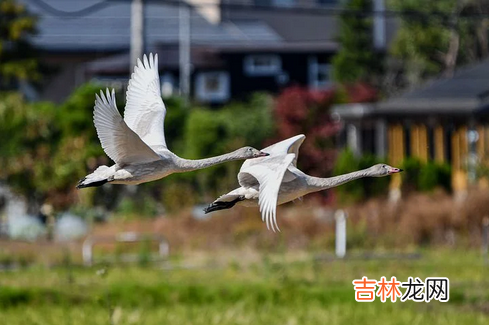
[210, 133]
[64, 134]
[349, 192]
[434, 175]
[373, 186]
[411, 170]
[300, 110]
[363, 188]
[425, 177]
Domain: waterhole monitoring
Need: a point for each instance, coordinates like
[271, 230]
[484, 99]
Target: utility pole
[379, 24]
[184, 49]
[137, 32]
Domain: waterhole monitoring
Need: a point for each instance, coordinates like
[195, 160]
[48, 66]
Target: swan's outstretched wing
[120, 143]
[145, 111]
[282, 148]
[290, 145]
[268, 174]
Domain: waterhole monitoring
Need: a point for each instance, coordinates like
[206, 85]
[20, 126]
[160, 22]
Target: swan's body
[137, 143]
[270, 181]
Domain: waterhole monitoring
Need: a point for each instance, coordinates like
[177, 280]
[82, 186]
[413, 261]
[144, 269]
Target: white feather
[145, 111]
[269, 174]
[119, 142]
[137, 142]
[275, 179]
[290, 145]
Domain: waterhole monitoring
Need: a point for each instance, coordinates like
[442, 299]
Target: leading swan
[270, 181]
[137, 143]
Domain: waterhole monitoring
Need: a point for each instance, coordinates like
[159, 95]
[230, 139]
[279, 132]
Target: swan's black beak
[263, 154]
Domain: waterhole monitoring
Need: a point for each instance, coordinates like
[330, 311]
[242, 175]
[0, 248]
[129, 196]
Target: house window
[212, 86]
[168, 85]
[327, 2]
[262, 65]
[319, 73]
[275, 3]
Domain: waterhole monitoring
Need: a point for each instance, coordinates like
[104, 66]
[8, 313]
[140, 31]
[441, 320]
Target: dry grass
[417, 220]
[422, 219]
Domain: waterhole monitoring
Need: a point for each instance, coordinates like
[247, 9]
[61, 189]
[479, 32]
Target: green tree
[28, 134]
[436, 36]
[210, 132]
[363, 188]
[357, 60]
[17, 57]
[46, 148]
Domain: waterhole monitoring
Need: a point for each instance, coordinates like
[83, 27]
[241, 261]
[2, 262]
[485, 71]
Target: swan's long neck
[186, 165]
[315, 184]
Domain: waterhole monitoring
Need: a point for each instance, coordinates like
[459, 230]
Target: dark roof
[297, 25]
[168, 58]
[295, 47]
[466, 92]
[109, 28]
[468, 82]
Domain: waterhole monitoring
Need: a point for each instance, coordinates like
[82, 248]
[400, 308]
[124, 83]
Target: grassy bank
[273, 290]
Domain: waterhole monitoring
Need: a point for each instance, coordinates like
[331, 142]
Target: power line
[296, 9]
[323, 10]
[71, 14]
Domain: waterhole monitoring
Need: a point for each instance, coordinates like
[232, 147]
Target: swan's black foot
[80, 183]
[221, 205]
[93, 184]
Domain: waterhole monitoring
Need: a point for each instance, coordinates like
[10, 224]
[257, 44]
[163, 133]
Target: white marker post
[87, 252]
[485, 236]
[340, 217]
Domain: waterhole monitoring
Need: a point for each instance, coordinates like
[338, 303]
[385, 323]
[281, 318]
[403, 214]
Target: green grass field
[274, 290]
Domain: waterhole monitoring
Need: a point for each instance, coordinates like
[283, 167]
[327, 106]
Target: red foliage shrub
[300, 110]
[361, 93]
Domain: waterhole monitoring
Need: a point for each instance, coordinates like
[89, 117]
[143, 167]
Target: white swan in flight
[270, 181]
[137, 143]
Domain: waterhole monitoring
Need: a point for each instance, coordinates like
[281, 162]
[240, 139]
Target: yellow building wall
[419, 148]
[419, 142]
[439, 144]
[482, 152]
[396, 151]
[459, 156]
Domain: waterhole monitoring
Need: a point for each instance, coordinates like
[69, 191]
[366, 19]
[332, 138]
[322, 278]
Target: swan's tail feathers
[221, 205]
[98, 178]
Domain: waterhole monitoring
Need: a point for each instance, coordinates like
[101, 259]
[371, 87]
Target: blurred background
[405, 82]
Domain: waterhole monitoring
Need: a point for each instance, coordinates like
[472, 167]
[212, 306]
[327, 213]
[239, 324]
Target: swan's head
[380, 170]
[250, 152]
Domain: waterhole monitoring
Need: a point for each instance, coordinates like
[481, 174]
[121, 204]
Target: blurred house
[237, 46]
[446, 120]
